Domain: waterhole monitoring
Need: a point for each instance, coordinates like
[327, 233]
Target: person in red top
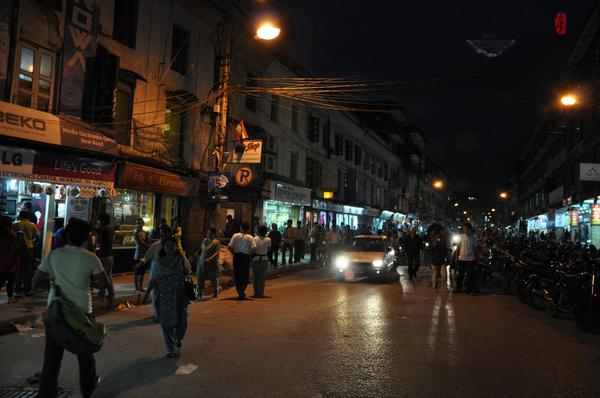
[9, 260]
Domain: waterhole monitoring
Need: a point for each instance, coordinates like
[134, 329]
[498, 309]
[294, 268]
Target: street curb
[8, 326]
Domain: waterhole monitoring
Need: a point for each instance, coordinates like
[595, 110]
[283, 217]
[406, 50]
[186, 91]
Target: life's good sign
[252, 153]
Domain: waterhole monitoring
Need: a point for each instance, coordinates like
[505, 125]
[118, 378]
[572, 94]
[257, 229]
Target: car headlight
[378, 263]
[342, 263]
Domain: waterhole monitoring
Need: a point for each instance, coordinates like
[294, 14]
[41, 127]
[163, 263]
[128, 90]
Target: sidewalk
[27, 312]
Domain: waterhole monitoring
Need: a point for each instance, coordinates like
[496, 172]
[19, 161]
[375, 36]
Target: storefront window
[125, 208]
[279, 213]
[169, 208]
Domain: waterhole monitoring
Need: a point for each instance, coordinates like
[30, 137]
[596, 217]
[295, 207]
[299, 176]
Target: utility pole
[224, 85]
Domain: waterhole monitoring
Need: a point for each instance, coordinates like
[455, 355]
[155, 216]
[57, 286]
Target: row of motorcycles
[561, 278]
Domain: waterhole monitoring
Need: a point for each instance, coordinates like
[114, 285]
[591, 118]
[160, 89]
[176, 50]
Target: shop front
[58, 186]
[329, 213]
[147, 193]
[286, 202]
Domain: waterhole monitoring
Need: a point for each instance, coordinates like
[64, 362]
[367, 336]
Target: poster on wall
[574, 217]
[596, 214]
[81, 28]
[78, 208]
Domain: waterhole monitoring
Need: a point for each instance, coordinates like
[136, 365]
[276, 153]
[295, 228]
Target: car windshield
[368, 245]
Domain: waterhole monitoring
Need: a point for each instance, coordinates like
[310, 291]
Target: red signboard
[135, 176]
[596, 214]
[574, 219]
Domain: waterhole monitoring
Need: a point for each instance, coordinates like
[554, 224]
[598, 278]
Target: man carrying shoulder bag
[70, 269]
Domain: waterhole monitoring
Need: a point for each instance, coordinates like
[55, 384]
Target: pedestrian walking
[260, 261]
[438, 248]
[167, 277]
[414, 244]
[73, 269]
[207, 263]
[232, 227]
[275, 237]
[467, 250]
[9, 258]
[178, 234]
[299, 242]
[241, 245]
[314, 239]
[334, 240]
[104, 240]
[289, 239]
[142, 243]
[27, 234]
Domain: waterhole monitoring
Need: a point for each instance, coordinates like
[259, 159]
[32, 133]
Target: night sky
[475, 112]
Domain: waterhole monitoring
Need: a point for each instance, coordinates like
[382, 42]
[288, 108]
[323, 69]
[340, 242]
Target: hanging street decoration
[489, 46]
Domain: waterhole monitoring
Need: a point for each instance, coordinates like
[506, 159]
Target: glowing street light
[267, 31]
[456, 204]
[465, 212]
[568, 100]
[438, 184]
[493, 210]
[503, 195]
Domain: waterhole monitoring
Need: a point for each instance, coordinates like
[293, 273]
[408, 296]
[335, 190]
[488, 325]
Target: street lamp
[568, 100]
[503, 195]
[267, 31]
[456, 204]
[493, 210]
[438, 184]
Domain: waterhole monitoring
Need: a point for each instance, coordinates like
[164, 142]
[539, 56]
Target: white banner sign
[28, 124]
[589, 171]
[252, 153]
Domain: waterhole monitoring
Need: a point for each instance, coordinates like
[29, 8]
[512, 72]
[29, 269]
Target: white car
[369, 256]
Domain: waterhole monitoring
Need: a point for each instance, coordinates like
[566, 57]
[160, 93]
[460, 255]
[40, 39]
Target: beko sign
[25, 123]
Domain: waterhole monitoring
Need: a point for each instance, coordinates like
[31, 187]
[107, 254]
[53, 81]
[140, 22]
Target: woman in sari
[207, 263]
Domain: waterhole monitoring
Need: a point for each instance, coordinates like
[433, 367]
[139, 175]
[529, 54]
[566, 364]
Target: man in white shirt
[73, 268]
[260, 263]
[467, 256]
[242, 246]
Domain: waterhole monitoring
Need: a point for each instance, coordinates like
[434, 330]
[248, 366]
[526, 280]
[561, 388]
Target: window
[349, 150]
[173, 128]
[34, 80]
[274, 108]
[269, 163]
[367, 163]
[180, 42]
[313, 128]
[386, 172]
[125, 22]
[314, 173]
[123, 112]
[339, 144]
[294, 166]
[340, 181]
[251, 83]
[326, 139]
[294, 117]
[357, 155]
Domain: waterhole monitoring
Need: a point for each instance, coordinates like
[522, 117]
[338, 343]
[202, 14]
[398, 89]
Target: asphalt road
[317, 337]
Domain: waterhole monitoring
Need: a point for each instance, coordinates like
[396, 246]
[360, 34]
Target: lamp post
[266, 31]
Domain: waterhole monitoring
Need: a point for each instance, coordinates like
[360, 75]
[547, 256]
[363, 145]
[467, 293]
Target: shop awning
[55, 168]
[33, 125]
[149, 179]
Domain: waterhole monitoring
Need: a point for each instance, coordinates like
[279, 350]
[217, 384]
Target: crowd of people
[82, 259]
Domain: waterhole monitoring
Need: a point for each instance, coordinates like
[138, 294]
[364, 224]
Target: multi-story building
[556, 185]
[112, 107]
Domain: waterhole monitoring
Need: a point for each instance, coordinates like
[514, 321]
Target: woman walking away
[466, 260]
[142, 243]
[167, 277]
[260, 261]
[438, 248]
[9, 260]
[207, 263]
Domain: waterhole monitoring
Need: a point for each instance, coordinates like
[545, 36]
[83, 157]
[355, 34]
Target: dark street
[317, 337]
